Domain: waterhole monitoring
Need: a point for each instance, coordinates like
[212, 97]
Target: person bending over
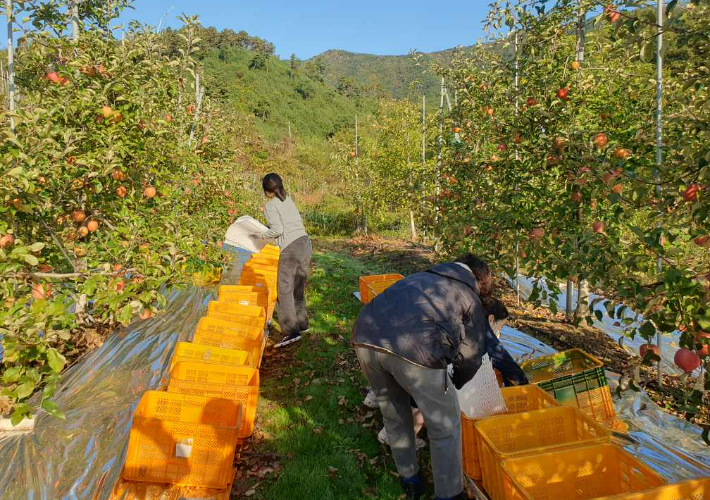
[404, 339]
[286, 226]
[504, 364]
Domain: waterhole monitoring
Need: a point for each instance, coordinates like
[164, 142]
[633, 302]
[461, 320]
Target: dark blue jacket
[433, 319]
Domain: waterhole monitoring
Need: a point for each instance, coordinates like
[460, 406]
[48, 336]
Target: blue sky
[308, 27]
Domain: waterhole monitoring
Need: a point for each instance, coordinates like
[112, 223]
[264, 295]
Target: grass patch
[313, 432]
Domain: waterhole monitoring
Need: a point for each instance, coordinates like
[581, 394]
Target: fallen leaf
[308, 398]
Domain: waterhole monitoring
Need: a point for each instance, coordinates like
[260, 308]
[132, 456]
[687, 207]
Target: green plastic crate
[560, 369]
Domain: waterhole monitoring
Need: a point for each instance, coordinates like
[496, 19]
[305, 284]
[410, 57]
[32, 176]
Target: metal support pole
[441, 147]
[10, 65]
[659, 137]
[517, 157]
[74, 9]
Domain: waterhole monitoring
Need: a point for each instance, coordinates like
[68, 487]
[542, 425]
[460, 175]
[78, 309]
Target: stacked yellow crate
[184, 440]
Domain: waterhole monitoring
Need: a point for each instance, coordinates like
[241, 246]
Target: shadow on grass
[310, 411]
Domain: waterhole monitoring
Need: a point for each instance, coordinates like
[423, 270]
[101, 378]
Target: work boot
[413, 487]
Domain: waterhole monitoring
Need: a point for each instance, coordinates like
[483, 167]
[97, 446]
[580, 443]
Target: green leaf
[19, 414]
[51, 408]
[56, 360]
[36, 247]
[12, 374]
[24, 390]
[31, 259]
[647, 330]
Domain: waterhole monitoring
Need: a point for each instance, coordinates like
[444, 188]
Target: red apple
[531, 101]
[702, 241]
[611, 15]
[598, 227]
[691, 192]
[621, 153]
[42, 291]
[537, 233]
[6, 240]
[686, 360]
[563, 93]
[704, 351]
[54, 77]
[600, 140]
[576, 196]
[78, 216]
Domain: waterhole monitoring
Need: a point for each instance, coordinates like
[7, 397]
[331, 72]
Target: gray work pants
[294, 262]
[394, 380]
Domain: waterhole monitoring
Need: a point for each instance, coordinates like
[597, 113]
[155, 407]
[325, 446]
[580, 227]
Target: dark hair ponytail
[483, 275]
[272, 183]
[496, 308]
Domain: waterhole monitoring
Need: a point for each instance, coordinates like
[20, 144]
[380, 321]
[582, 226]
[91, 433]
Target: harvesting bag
[481, 395]
[240, 234]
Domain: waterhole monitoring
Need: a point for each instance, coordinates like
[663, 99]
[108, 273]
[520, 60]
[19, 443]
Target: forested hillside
[386, 75]
[286, 97]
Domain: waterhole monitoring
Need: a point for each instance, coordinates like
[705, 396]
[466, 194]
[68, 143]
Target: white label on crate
[183, 449]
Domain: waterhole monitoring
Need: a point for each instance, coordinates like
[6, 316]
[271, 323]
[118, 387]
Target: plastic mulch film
[609, 326]
[84, 454]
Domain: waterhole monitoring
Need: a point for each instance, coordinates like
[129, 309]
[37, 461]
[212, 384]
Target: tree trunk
[569, 304]
[582, 299]
[412, 226]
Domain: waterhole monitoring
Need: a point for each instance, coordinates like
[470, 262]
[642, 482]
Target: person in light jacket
[405, 339]
[286, 226]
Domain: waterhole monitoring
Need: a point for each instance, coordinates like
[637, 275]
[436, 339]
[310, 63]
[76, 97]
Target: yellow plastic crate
[189, 409]
[257, 265]
[163, 451]
[225, 382]
[245, 299]
[260, 282]
[693, 489]
[253, 322]
[517, 399]
[214, 374]
[365, 281]
[190, 351]
[132, 490]
[580, 473]
[228, 289]
[269, 260]
[219, 327]
[271, 249]
[531, 432]
[229, 339]
[375, 289]
[227, 293]
[220, 307]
